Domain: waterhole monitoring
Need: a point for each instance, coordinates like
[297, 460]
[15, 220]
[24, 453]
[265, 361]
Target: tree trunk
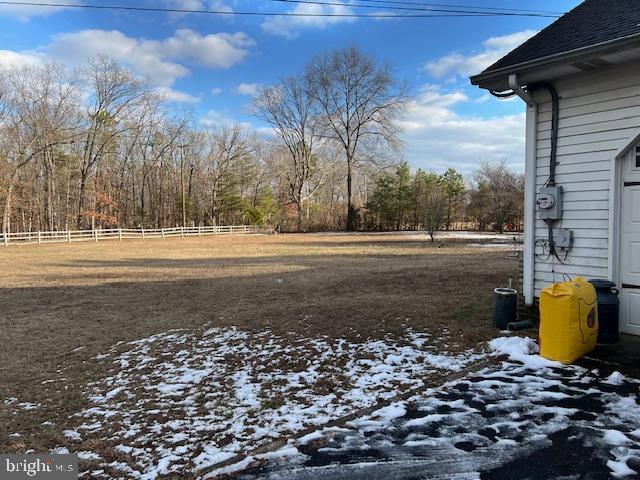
[6, 215]
[82, 199]
[67, 201]
[351, 213]
[214, 202]
[297, 197]
[300, 215]
[142, 204]
[50, 191]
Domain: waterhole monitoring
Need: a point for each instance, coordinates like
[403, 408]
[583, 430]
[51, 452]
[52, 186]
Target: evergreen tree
[381, 202]
[403, 199]
[454, 189]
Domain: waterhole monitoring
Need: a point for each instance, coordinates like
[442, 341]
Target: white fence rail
[69, 236]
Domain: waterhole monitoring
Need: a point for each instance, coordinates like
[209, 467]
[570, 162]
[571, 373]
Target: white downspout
[529, 189]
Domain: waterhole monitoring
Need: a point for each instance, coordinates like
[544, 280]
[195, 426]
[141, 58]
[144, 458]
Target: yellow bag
[568, 320]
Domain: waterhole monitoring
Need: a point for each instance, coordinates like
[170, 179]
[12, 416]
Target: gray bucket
[505, 307]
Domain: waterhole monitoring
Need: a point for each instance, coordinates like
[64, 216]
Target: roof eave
[488, 79]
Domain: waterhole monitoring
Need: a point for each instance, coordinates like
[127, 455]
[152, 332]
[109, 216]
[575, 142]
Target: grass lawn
[109, 339]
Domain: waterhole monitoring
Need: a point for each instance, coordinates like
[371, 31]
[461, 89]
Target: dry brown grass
[55, 299]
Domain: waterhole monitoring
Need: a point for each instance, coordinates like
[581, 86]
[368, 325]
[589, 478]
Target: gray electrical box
[563, 238]
[550, 203]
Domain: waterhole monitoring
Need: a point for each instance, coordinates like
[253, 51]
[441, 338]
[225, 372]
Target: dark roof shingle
[590, 23]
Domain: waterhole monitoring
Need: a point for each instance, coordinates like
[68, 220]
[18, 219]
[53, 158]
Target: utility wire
[425, 7]
[447, 5]
[440, 13]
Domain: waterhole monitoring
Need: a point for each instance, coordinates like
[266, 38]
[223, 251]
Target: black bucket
[608, 311]
[505, 308]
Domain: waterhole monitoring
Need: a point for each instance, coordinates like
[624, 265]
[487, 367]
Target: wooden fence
[68, 236]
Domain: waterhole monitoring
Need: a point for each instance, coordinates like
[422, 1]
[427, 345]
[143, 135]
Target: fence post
[68, 236]
[120, 233]
[162, 232]
[182, 232]
[199, 231]
[6, 239]
[39, 239]
[143, 233]
[95, 234]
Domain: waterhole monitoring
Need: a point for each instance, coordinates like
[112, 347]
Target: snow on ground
[22, 405]
[182, 402]
[479, 236]
[523, 418]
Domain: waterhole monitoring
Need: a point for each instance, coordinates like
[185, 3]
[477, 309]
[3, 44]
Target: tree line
[403, 200]
[99, 147]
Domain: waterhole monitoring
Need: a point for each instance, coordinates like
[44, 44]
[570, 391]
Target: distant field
[63, 305]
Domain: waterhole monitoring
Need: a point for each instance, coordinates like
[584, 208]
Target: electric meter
[550, 203]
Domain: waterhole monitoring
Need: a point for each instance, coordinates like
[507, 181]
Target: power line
[447, 5]
[440, 13]
[428, 7]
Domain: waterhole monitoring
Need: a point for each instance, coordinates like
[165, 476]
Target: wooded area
[426, 200]
[97, 147]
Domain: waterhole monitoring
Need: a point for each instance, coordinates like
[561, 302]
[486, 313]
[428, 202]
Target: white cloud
[219, 50]
[215, 5]
[217, 119]
[9, 58]
[456, 64]
[172, 95]
[160, 60]
[249, 89]
[265, 132]
[216, 91]
[437, 137]
[289, 27]
[77, 47]
[26, 12]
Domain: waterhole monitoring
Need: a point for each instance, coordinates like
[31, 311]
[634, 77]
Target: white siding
[598, 113]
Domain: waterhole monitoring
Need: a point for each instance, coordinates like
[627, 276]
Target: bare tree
[226, 148]
[115, 94]
[433, 204]
[287, 108]
[498, 195]
[39, 106]
[358, 102]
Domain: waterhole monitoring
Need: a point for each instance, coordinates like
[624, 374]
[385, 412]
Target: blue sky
[213, 64]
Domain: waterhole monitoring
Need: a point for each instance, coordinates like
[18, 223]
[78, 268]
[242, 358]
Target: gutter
[558, 58]
[514, 85]
[529, 189]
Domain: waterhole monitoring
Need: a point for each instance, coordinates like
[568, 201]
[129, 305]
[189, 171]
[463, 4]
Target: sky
[214, 64]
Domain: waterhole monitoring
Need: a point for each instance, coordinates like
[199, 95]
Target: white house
[580, 79]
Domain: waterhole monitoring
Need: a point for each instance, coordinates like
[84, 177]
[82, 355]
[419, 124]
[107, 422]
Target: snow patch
[615, 437]
[620, 469]
[199, 399]
[616, 378]
[72, 435]
[521, 349]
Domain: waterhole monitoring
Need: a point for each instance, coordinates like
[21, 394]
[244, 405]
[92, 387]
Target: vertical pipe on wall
[529, 189]
[530, 203]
